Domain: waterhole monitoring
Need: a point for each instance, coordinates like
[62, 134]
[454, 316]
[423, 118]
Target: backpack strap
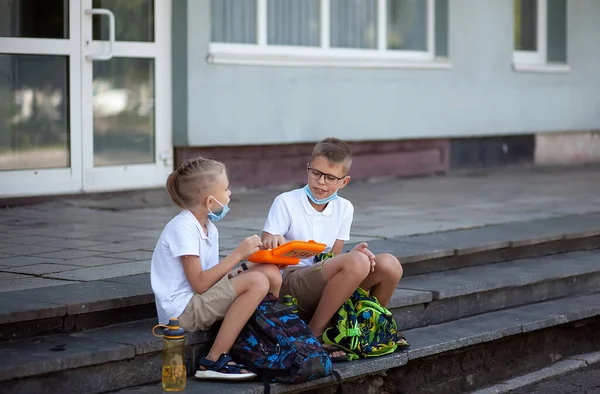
[336, 375]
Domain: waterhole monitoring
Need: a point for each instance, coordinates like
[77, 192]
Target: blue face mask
[215, 217]
[321, 201]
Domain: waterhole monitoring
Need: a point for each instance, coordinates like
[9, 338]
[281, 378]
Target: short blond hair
[193, 180]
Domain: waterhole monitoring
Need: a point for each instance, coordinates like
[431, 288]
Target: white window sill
[542, 67]
[321, 57]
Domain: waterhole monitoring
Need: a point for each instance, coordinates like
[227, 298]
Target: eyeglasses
[316, 175]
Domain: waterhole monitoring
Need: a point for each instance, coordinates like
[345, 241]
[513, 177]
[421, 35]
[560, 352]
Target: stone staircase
[478, 306]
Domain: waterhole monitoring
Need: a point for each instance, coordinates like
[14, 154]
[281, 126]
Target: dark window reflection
[34, 18]
[134, 20]
[123, 105]
[34, 112]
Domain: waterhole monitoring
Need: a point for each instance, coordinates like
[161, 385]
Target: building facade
[99, 95]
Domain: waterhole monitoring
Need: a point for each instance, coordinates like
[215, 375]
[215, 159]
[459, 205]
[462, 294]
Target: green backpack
[363, 328]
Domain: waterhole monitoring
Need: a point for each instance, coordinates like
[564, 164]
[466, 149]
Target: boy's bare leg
[383, 281]
[272, 272]
[251, 288]
[343, 273]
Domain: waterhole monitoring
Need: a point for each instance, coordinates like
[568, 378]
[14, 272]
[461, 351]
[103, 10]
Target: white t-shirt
[183, 235]
[292, 216]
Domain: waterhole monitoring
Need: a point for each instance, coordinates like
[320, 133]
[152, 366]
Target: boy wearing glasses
[316, 212]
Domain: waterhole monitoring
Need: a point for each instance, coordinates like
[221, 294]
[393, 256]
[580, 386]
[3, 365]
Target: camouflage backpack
[278, 346]
[363, 328]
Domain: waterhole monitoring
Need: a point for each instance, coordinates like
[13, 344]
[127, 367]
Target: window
[355, 33]
[540, 30]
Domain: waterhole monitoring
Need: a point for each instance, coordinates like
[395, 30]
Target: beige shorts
[306, 284]
[205, 309]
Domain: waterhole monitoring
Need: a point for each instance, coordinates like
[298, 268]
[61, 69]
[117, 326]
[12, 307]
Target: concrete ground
[96, 237]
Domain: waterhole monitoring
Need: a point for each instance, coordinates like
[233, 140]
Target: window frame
[262, 53]
[538, 56]
[537, 61]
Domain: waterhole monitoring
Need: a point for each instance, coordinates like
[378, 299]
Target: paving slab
[57, 353]
[94, 261]
[103, 272]
[109, 237]
[30, 249]
[17, 261]
[41, 269]
[56, 232]
[89, 297]
[69, 254]
[11, 239]
[137, 255]
[72, 243]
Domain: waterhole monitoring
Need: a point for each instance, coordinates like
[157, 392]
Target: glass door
[40, 97]
[126, 76]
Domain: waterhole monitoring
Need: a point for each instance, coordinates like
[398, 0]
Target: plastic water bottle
[291, 303]
[174, 373]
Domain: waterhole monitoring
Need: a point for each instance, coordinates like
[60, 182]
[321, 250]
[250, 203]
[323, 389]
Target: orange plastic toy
[289, 253]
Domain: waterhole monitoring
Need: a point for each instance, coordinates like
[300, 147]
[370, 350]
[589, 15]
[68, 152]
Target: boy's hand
[248, 246]
[362, 247]
[271, 241]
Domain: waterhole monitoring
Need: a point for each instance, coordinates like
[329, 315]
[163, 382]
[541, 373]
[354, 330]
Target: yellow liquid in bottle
[173, 370]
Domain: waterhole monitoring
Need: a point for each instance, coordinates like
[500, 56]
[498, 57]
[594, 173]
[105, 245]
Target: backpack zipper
[266, 351]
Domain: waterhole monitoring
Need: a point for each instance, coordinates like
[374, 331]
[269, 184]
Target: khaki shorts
[306, 284]
[205, 309]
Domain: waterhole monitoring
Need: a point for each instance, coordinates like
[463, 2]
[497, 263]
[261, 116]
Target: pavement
[95, 237]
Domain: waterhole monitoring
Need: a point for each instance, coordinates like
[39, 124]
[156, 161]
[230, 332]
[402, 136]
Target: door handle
[111, 32]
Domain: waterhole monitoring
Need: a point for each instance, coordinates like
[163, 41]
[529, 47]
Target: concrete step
[75, 307]
[116, 357]
[421, 254]
[443, 296]
[81, 306]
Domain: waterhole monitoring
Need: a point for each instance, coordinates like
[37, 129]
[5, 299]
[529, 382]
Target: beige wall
[567, 148]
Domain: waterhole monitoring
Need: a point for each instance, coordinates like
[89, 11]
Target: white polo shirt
[183, 235]
[292, 216]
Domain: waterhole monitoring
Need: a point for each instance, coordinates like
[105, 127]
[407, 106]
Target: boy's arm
[200, 281]
[277, 224]
[337, 247]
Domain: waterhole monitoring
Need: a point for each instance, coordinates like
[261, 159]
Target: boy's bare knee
[358, 264]
[390, 265]
[273, 274]
[258, 282]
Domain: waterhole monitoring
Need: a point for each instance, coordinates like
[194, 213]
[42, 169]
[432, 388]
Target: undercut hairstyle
[334, 150]
[193, 180]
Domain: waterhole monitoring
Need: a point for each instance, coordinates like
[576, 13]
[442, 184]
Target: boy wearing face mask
[316, 212]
